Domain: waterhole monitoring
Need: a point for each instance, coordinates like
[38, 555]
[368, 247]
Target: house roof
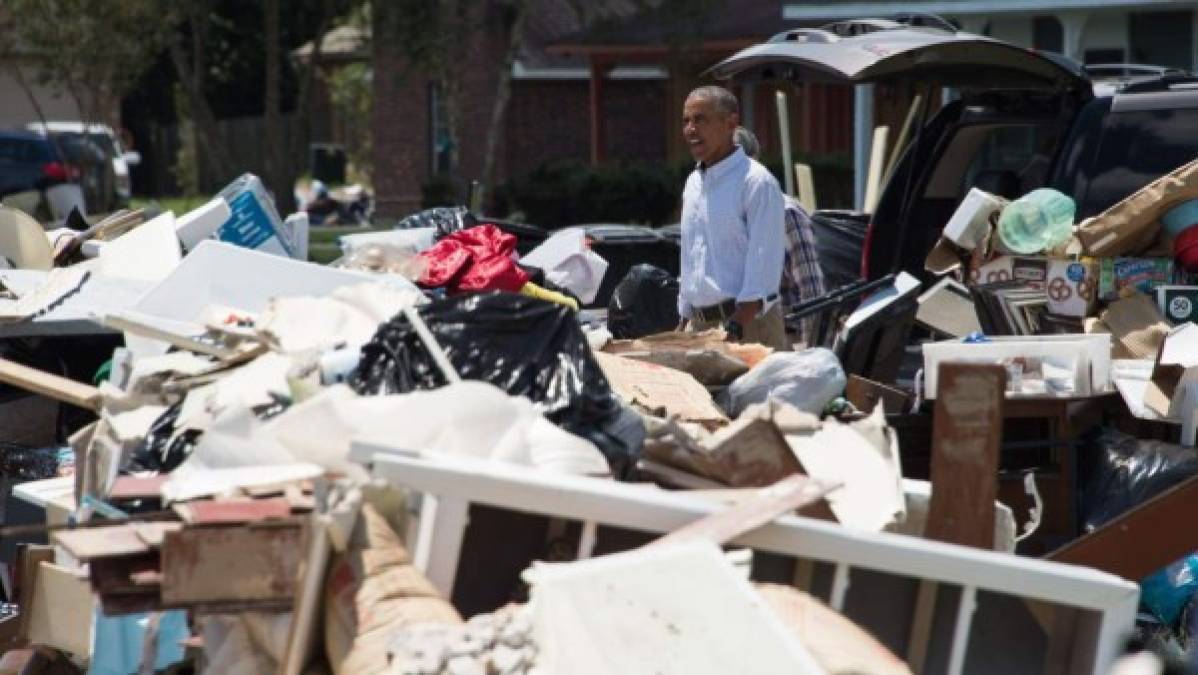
[725, 24]
[343, 43]
[546, 23]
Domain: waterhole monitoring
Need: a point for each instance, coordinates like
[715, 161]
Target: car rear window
[1137, 148]
[25, 151]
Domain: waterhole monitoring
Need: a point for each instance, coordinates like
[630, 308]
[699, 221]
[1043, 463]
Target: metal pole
[784, 124]
[863, 116]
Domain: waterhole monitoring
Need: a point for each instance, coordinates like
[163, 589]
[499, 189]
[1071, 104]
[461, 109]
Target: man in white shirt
[733, 235]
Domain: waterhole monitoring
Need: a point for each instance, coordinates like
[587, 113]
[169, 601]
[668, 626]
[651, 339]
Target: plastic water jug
[1040, 220]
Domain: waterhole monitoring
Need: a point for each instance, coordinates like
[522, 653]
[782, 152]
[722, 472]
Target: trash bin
[327, 162]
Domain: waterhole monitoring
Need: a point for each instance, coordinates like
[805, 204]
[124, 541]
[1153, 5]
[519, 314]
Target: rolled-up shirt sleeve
[765, 216]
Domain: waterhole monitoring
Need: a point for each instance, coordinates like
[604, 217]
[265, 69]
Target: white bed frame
[450, 485]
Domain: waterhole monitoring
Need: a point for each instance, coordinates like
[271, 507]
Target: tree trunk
[191, 76]
[519, 10]
[275, 176]
[298, 133]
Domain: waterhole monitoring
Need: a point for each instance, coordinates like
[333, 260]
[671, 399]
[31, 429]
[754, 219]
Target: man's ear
[734, 120]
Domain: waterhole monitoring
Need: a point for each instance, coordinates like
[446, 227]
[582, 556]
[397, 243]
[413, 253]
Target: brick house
[610, 91]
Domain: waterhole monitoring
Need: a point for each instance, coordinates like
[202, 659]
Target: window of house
[1048, 35]
[1162, 38]
[440, 142]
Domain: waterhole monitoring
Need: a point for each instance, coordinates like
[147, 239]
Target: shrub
[569, 193]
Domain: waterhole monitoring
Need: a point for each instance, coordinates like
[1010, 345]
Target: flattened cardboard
[661, 389]
[1176, 365]
[1137, 326]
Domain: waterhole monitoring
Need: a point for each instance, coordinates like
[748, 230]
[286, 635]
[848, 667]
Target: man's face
[707, 131]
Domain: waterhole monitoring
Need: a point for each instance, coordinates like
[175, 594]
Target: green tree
[94, 50]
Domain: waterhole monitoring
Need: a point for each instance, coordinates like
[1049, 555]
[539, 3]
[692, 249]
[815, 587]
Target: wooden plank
[88, 543]
[49, 385]
[228, 511]
[865, 394]
[135, 487]
[29, 559]
[1141, 540]
[231, 564]
[766, 504]
[61, 610]
[101, 542]
[966, 435]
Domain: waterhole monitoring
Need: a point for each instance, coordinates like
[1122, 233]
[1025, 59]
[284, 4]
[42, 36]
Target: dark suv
[30, 162]
[1020, 120]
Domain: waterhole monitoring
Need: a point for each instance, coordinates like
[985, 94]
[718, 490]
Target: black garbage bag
[644, 302]
[20, 464]
[447, 219]
[1128, 471]
[526, 347]
[839, 241]
[163, 449]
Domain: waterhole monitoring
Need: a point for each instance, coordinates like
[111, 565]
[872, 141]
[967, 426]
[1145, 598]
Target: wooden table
[1068, 419]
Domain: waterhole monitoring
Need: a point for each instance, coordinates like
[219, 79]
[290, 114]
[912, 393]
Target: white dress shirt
[733, 235]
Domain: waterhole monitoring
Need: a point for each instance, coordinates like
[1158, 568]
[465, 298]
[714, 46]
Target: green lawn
[179, 205]
[322, 241]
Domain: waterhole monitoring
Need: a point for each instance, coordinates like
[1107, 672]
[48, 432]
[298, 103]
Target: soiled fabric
[478, 259]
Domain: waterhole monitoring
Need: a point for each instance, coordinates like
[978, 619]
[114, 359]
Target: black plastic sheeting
[19, 464]
[1128, 471]
[839, 242]
[644, 302]
[526, 347]
[163, 450]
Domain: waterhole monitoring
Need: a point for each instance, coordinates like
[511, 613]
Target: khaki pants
[769, 329]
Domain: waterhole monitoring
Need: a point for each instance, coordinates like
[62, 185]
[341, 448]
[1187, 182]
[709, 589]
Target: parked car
[1022, 120]
[104, 161]
[31, 164]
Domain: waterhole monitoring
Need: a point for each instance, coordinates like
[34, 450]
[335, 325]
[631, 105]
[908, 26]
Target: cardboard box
[1176, 367]
[1133, 224]
[969, 225]
[967, 232]
[254, 223]
[1143, 274]
[1178, 303]
[1071, 284]
[1072, 287]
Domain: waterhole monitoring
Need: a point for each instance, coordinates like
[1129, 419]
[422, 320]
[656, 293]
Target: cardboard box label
[1071, 287]
[1178, 303]
[1143, 274]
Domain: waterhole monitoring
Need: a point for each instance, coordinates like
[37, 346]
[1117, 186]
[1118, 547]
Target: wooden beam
[966, 435]
[1141, 540]
[49, 385]
[241, 564]
[762, 507]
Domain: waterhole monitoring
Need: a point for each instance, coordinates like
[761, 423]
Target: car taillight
[56, 171]
[865, 249]
[61, 172]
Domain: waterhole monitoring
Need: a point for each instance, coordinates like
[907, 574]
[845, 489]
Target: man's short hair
[747, 141]
[723, 99]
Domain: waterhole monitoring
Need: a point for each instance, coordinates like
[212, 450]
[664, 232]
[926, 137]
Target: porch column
[599, 71]
[1074, 25]
[863, 130]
